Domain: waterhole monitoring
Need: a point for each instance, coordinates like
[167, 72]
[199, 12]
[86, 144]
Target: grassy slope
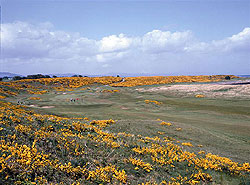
[220, 125]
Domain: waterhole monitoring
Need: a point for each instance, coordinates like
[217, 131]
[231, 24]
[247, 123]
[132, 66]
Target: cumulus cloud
[159, 41]
[239, 42]
[114, 43]
[43, 47]
[24, 40]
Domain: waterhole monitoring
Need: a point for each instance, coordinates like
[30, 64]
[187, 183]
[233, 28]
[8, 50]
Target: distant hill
[3, 74]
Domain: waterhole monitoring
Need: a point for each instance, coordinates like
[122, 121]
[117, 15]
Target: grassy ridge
[152, 80]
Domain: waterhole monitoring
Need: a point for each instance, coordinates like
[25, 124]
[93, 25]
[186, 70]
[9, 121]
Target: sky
[137, 37]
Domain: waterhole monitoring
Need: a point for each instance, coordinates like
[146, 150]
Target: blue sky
[170, 37]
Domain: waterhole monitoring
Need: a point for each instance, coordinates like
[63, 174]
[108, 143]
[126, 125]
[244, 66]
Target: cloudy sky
[101, 37]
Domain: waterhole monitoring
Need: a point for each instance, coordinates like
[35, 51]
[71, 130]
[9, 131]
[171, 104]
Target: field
[182, 130]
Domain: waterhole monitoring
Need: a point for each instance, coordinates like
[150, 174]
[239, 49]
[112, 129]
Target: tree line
[36, 76]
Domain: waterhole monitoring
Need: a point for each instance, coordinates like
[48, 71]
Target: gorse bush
[38, 148]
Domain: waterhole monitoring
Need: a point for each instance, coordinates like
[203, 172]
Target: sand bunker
[47, 107]
[209, 90]
[31, 105]
[44, 107]
[124, 108]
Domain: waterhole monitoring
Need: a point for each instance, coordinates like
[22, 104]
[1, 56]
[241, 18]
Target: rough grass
[220, 123]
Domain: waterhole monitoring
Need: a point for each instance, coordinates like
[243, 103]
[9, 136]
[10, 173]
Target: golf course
[106, 131]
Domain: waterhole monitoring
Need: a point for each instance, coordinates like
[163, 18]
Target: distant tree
[31, 77]
[17, 78]
[5, 78]
[54, 76]
[118, 76]
[46, 76]
[37, 76]
[80, 76]
[1, 79]
[74, 76]
[85, 76]
[227, 77]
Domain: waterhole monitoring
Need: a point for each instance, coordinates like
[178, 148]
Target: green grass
[221, 125]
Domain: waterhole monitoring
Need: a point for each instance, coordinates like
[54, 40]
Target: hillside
[3, 74]
[136, 130]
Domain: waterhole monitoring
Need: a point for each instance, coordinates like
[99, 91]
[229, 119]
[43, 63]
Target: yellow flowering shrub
[102, 123]
[107, 173]
[110, 91]
[166, 123]
[153, 102]
[138, 162]
[199, 96]
[187, 144]
[151, 80]
[35, 98]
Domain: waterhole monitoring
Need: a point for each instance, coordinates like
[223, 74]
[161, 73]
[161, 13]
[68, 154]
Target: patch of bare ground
[47, 107]
[209, 90]
[124, 108]
[31, 105]
[44, 107]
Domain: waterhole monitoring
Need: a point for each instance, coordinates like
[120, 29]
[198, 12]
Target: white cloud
[31, 45]
[241, 36]
[239, 42]
[24, 40]
[114, 43]
[159, 41]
